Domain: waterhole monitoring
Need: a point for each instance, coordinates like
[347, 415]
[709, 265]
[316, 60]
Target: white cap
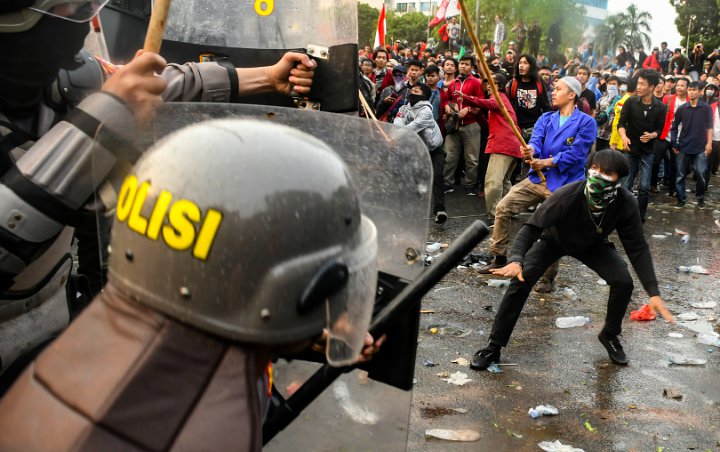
[573, 84]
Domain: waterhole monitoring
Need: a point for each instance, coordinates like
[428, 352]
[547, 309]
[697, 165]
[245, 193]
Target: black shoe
[680, 203]
[449, 189]
[497, 262]
[471, 192]
[701, 203]
[441, 217]
[544, 285]
[613, 347]
[483, 358]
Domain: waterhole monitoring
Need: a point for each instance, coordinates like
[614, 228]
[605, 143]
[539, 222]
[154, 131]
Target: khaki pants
[521, 196]
[467, 139]
[497, 180]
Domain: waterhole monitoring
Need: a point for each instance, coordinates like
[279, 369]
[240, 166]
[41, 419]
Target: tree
[609, 35]
[410, 27]
[705, 27]
[637, 26]
[367, 24]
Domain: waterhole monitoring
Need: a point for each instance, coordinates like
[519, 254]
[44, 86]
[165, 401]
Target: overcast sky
[663, 23]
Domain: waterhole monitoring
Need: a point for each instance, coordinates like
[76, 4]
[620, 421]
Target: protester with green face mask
[576, 221]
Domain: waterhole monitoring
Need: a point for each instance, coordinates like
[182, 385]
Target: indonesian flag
[439, 14]
[448, 8]
[381, 30]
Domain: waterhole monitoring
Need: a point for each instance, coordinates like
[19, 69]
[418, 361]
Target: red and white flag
[381, 30]
[439, 14]
[453, 9]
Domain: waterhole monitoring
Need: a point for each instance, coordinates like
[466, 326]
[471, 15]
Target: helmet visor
[78, 11]
[349, 312]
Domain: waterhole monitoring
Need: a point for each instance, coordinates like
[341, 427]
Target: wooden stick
[491, 82]
[156, 28]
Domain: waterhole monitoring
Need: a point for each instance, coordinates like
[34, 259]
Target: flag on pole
[439, 14]
[453, 9]
[381, 30]
[461, 53]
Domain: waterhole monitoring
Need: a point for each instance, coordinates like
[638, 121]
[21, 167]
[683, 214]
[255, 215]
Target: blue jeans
[641, 164]
[699, 164]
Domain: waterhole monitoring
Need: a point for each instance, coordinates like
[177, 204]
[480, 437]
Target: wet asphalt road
[568, 368]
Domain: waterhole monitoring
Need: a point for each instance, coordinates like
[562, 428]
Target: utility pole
[477, 21]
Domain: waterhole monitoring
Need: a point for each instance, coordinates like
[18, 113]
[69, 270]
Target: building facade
[596, 11]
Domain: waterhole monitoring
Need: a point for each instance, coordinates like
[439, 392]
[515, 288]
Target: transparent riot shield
[252, 33]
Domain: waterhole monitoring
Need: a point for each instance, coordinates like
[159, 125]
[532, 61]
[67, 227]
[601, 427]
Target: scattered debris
[589, 427]
[687, 316]
[543, 410]
[643, 314]
[444, 374]
[680, 232]
[433, 248]
[682, 361]
[498, 283]
[557, 446]
[461, 361]
[602, 282]
[428, 363]
[699, 269]
[685, 239]
[434, 412]
[569, 294]
[706, 305]
[452, 435]
[493, 368]
[676, 335]
[571, 322]
[427, 311]
[709, 339]
[659, 236]
[460, 410]
[458, 379]
[672, 393]
[434, 330]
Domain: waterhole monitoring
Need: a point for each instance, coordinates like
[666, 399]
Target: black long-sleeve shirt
[565, 219]
[637, 118]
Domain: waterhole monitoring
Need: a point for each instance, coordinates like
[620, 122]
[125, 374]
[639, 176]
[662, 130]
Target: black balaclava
[32, 59]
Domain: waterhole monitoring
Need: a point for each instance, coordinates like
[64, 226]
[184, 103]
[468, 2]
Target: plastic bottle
[693, 269]
[498, 282]
[708, 339]
[685, 239]
[543, 410]
[569, 294]
[571, 322]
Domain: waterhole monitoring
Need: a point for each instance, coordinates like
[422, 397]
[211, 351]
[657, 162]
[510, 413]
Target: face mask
[709, 92]
[415, 98]
[623, 89]
[32, 59]
[600, 190]
[487, 54]
[612, 91]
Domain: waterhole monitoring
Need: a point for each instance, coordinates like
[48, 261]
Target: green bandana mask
[599, 190]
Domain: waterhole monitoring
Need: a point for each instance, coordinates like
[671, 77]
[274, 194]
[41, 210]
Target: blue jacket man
[567, 145]
[560, 143]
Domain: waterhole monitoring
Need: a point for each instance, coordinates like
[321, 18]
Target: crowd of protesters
[660, 109]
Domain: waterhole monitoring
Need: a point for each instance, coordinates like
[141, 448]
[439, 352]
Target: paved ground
[624, 406]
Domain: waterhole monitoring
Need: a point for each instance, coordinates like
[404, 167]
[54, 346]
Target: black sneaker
[471, 192]
[483, 358]
[680, 203]
[544, 285]
[497, 262]
[701, 203]
[441, 217]
[449, 189]
[614, 348]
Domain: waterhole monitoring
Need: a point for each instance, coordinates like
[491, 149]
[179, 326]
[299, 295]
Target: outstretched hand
[658, 305]
[511, 270]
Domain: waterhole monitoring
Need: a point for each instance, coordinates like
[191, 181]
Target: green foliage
[705, 27]
[410, 27]
[629, 29]
[367, 24]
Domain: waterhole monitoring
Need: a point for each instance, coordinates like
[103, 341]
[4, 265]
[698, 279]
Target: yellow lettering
[126, 197]
[206, 237]
[180, 235]
[136, 222]
[158, 214]
[264, 7]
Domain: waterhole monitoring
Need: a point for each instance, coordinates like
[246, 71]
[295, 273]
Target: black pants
[714, 159]
[662, 153]
[437, 156]
[602, 259]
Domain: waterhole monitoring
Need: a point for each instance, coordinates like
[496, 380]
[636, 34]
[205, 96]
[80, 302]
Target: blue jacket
[568, 146]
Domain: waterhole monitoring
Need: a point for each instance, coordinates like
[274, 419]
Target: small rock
[672, 393]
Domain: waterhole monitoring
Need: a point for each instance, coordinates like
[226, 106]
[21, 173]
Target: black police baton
[281, 416]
